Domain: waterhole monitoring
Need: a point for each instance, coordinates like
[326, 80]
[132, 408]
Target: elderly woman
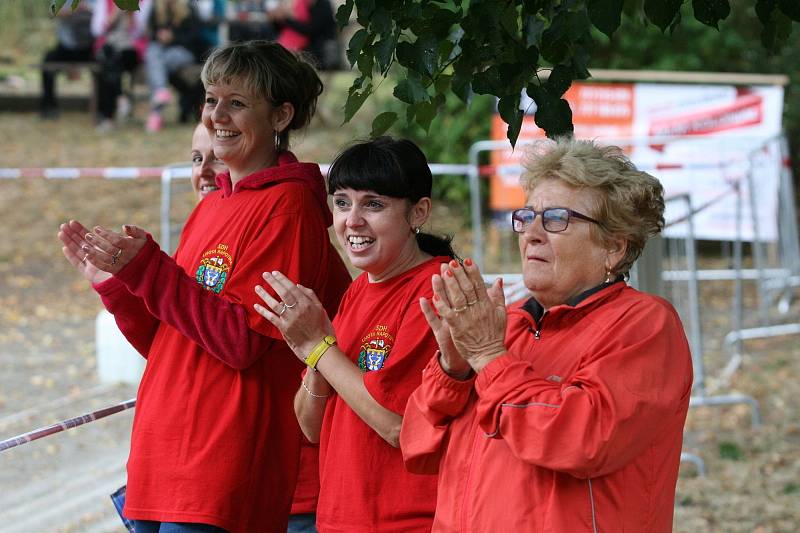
[564, 413]
[215, 443]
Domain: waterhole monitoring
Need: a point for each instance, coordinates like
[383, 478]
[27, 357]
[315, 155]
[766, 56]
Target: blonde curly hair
[628, 203]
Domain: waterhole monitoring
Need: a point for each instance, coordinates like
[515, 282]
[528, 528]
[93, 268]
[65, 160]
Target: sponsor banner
[699, 140]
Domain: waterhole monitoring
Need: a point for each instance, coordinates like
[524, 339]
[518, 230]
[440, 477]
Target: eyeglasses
[554, 219]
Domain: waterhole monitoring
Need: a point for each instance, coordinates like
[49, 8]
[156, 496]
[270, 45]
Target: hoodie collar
[535, 309]
[287, 169]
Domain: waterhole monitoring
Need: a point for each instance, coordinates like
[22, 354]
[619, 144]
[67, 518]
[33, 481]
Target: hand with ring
[474, 316]
[296, 312]
[72, 236]
[105, 249]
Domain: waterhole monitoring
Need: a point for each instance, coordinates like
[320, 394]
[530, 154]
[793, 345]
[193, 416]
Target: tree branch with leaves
[501, 48]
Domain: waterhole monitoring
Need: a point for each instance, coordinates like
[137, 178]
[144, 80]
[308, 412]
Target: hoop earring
[277, 140]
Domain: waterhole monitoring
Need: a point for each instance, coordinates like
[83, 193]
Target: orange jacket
[578, 427]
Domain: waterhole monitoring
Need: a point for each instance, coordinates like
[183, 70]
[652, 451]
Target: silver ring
[84, 258]
[284, 309]
[113, 259]
[473, 302]
[289, 306]
[116, 255]
[459, 309]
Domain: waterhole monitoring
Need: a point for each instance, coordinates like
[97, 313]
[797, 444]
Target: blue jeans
[302, 523]
[147, 526]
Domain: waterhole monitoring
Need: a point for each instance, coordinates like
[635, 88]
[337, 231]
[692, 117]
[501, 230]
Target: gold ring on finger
[459, 309]
[473, 302]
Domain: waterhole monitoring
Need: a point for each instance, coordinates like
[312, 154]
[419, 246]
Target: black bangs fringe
[389, 167]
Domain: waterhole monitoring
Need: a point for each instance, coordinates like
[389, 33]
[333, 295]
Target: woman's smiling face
[242, 127]
[375, 230]
[205, 164]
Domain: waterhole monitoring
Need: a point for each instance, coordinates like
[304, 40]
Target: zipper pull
[537, 334]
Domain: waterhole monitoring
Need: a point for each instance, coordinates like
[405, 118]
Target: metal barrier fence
[773, 282]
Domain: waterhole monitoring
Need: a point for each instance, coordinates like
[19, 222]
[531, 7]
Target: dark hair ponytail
[435, 245]
[390, 167]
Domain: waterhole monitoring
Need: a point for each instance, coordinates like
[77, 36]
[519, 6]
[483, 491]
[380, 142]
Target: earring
[416, 230]
[608, 276]
[277, 140]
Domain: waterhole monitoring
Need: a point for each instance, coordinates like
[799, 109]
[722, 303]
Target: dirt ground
[48, 368]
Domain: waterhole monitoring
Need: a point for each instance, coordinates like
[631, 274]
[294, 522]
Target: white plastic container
[117, 360]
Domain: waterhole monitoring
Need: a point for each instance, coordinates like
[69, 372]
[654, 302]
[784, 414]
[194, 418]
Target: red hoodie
[577, 428]
[215, 439]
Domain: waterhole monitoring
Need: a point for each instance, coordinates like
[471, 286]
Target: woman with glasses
[564, 413]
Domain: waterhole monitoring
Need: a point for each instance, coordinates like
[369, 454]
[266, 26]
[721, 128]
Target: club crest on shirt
[214, 268]
[375, 348]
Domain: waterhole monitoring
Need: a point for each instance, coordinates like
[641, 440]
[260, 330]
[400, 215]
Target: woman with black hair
[364, 365]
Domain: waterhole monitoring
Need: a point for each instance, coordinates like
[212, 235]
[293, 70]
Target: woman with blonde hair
[215, 444]
[563, 413]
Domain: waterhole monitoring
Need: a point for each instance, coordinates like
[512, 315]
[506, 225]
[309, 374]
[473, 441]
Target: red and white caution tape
[69, 173]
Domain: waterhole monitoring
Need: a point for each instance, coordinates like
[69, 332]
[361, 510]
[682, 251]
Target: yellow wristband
[319, 350]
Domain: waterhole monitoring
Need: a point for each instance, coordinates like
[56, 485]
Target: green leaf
[355, 45]
[559, 80]
[411, 91]
[578, 24]
[75, 4]
[555, 40]
[662, 13]
[553, 114]
[790, 8]
[127, 5]
[364, 10]
[490, 81]
[509, 110]
[605, 14]
[462, 84]
[448, 5]
[710, 12]
[442, 83]
[343, 14]
[381, 21]
[532, 31]
[56, 5]
[425, 113]
[382, 123]
[355, 99]
[509, 19]
[384, 50]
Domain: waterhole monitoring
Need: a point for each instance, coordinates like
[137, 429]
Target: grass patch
[730, 451]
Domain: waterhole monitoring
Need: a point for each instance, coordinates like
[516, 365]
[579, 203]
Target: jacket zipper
[537, 333]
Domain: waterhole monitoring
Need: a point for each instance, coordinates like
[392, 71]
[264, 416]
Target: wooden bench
[77, 66]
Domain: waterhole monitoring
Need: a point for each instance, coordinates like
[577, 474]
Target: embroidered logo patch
[375, 348]
[214, 268]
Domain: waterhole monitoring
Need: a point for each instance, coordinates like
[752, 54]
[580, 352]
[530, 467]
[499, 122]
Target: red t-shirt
[307, 490]
[364, 486]
[215, 439]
